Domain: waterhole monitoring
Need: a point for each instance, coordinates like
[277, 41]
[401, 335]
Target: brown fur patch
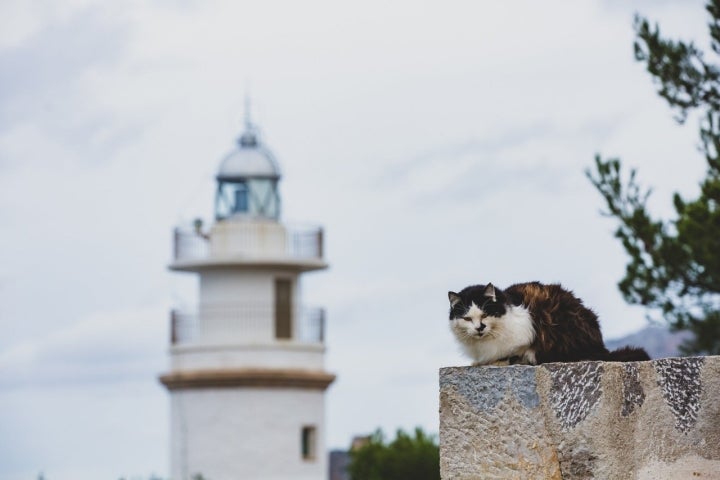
[566, 329]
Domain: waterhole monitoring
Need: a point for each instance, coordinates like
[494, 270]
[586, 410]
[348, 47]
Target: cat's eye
[467, 319]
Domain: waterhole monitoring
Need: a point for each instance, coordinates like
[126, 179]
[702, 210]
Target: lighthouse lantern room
[247, 376]
[248, 181]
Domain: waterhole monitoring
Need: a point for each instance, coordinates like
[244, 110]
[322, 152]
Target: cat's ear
[454, 298]
[490, 292]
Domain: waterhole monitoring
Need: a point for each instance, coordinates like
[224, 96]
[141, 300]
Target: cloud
[20, 20]
[113, 347]
[36, 75]
[74, 401]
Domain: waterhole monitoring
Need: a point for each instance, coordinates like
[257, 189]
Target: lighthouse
[247, 377]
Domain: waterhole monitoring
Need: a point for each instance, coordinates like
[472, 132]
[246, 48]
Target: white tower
[247, 379]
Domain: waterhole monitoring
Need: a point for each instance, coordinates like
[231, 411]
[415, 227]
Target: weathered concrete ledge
[640, 420]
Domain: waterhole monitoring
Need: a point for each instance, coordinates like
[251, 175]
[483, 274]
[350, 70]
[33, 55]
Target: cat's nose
[481, 327]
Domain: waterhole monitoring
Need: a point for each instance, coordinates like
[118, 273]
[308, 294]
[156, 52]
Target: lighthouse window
[283, 308]
[308, 440]
[241, 198]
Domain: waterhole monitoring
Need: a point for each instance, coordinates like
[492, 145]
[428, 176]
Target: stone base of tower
[254, 424]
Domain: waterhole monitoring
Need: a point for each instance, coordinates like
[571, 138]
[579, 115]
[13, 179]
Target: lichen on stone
[576, 390]
[681, 386]
[633, 393]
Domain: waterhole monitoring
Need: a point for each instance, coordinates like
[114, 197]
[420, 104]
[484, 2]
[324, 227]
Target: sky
[439, 144]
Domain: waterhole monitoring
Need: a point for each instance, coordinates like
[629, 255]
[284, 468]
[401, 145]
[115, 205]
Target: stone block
[588, 420]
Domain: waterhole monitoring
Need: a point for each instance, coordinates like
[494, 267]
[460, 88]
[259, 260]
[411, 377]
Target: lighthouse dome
[248, 181]
[250, 160]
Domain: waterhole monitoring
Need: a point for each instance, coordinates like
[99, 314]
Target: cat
[530, 323]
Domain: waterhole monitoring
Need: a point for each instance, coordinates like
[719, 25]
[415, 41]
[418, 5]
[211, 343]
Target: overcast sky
[440, 144]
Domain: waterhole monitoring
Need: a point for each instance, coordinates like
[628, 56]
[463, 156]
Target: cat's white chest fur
[501, 337]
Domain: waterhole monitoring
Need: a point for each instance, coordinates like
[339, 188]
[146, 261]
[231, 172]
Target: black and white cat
[529, 323]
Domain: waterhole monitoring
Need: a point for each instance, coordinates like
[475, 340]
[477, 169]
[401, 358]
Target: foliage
[674, 266]
[405, 458]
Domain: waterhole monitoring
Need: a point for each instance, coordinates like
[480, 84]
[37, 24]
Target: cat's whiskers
[492, 333]
[464, 332]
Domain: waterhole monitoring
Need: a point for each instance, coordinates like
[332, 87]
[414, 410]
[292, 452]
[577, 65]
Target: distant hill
[659, 342]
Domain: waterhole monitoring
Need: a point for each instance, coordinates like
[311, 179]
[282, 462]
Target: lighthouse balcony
[247, 324]
[247, 335]
[250, 244]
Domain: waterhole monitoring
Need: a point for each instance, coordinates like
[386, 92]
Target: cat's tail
[628, 354]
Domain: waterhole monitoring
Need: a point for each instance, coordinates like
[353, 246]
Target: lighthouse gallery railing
[243, 322]
[300, 242]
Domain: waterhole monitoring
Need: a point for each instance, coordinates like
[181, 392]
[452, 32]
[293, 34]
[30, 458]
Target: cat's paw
[481, 364]
[500, 363]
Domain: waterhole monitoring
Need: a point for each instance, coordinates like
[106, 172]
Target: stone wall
[605, 420]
